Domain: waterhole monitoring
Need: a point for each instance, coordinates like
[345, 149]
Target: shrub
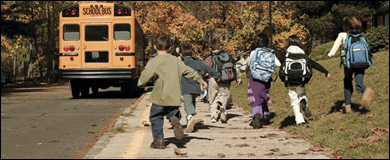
[377, 38]
[321, 51]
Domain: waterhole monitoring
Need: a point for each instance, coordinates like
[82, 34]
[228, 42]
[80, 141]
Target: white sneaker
[190, 123]
[223, 114]
[213, 120]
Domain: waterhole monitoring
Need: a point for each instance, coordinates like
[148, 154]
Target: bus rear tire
[74, 88]
[95, 90]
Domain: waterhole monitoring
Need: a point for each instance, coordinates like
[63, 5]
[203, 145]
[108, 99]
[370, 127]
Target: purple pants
[258, 97]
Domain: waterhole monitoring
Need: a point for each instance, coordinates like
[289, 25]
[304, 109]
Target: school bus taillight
[66, 48]
[71, 48]
[127, 47]
[121, 47]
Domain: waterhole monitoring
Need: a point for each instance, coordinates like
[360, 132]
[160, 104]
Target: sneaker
[304, 107]
[301, 124]
[223, 114]
[177, 128]
[190, 123]
[158, 144]
[257, 122]
[367, 96]
[347, 108]
[213, 120]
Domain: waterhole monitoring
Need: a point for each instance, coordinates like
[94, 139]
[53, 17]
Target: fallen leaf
[94, 125]
[178, 152]
[331, 128]
[335, 151]
[199, 121]
[342, 129]
[221, 155]
[269, 154]
[304, 152]
[242, 137]
[52, 141]
[286, 154]
[315, 149]
[242, 145]
[274, 149]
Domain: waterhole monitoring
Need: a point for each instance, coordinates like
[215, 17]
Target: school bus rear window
[122, 32]
[96, 33]
[71, 32]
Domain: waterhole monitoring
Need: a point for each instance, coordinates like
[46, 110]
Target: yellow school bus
[100, 45]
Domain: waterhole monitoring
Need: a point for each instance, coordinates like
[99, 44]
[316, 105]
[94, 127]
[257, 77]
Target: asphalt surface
[232, 140]
[45, 122]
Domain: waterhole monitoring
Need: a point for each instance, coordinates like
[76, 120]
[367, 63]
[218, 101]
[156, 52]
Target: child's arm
[336, 45]
[318, 67]
[209, 70]
[146, 75]
[189, 73]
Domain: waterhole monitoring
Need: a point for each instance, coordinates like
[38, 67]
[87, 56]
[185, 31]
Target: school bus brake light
[66, 48]
[121, 47]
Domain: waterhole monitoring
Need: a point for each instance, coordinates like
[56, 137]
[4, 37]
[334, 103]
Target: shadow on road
[338, 107]
[182, 142]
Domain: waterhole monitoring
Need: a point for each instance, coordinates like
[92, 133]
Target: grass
[117, 130]
[361, 134]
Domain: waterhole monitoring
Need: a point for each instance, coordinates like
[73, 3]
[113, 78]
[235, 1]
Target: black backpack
[223, 63]
[296, 70]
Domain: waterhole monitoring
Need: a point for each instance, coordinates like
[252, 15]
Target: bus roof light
[66, 12]
[73, 12]
[119, 11]
[125, 11]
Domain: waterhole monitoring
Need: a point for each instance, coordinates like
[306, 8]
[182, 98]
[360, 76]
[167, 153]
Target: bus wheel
[95, 90]
[85, 91]
[74, 88]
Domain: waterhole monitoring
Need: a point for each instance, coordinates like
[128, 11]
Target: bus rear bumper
[98, 74]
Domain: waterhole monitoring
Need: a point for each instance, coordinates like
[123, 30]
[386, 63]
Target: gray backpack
[223, 63]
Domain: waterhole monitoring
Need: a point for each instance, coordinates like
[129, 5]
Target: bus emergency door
[97, 45]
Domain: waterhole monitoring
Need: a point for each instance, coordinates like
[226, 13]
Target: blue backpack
[357, 52]
[262, 64]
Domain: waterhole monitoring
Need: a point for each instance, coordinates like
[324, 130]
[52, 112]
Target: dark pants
[156, 117]
[348, 87]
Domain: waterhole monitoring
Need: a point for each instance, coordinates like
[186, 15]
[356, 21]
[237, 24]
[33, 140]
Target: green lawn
[361, 134]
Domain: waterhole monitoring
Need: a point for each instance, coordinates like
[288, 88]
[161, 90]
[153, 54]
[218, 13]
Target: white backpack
[297, 69]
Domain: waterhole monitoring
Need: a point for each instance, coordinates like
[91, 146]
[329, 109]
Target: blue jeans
[156, 117]
[348, 87]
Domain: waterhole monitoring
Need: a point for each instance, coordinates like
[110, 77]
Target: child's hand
[239, 81]
[203, 86]
[328, 76]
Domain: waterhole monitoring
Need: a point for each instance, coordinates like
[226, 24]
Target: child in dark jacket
[191, 88]
[297, 91]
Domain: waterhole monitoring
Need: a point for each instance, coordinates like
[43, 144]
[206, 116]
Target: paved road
[45, 122]
[233, 140]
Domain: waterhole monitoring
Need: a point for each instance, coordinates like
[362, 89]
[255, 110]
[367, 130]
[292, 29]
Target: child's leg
[157, 120]
[189, 104]
[212, 90]
[303, 101]
[292, 93]
[359, 76]
[348, 87]
[174, 116]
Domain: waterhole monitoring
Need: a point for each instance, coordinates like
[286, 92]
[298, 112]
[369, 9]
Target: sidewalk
[233, 140]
